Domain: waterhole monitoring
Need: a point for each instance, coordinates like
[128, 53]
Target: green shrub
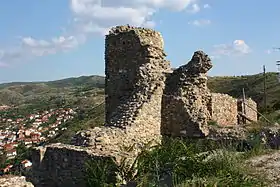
[100, 172]
[183, 163]
[179, 162]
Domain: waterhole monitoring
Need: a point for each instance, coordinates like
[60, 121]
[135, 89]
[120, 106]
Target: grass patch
[100, 172]
[179, 162]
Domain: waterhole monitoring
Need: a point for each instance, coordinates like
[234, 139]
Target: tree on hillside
[22, 153]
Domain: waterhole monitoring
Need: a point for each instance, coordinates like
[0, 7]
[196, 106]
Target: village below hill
[31, 130]
[34, 114]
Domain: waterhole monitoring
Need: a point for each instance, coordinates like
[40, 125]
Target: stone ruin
[145, 99]
[186, 98]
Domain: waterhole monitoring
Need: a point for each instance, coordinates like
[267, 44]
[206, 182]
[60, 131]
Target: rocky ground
[268, 166]
[14, 181]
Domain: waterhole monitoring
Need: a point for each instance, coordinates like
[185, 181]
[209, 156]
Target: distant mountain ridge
[232, 85]
[72, 81]
[17, 93]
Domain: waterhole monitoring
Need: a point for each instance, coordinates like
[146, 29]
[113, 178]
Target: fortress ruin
[145, 99]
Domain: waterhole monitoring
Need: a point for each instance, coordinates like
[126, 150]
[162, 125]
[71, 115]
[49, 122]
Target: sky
[55, 39]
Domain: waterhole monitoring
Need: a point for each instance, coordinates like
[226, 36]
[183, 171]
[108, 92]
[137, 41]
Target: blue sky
[54, 39]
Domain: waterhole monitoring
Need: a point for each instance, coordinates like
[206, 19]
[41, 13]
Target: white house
[11, 153]
[26, 163]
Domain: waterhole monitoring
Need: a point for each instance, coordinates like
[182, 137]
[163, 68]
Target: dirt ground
[267, 166]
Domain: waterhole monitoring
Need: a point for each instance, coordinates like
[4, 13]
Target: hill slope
[86, 95]
[50, 92]
[83, 94]
[18, 93]
[253, 85]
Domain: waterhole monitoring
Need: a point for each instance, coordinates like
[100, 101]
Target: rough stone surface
[135, 76]
[114, 139]
[186, 98]
[251, 108]
[62, 165]
[14, 181]
[135, 67]
[223, 109]
[144, 100]
[234, 133]
[268, 166]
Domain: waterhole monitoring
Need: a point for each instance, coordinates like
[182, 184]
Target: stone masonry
[59, 165]
[135, 79]
[251, 108]
[223, 109]
[144, 100]
[186, 98]
[135, 67]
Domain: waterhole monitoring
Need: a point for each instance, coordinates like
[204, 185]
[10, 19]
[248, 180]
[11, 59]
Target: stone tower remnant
[135, 78]
[135, 67]
[186, 99]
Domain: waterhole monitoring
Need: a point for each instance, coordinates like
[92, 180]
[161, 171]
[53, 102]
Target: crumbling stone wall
[135, 76]
[60, 165]
[251, 111]
[223, 109]
[186, 98]
[135, 67]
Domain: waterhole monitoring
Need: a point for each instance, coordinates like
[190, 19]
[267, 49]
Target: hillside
[25, 93]
[83, 94]
[253, 85]
[70, 89]
[86, 95]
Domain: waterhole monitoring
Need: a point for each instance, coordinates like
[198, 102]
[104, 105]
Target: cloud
[30, 47]
[91, 17]
[57, 44]
[206, 6]
[200, 22]
[195, 8]
[238, 47]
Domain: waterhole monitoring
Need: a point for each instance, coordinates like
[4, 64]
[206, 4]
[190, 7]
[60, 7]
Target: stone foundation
[61, 165]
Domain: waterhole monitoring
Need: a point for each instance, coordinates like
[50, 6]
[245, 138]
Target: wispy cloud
[237, 47]
[206, 6]
[31, 47]
[95, 17]
[194, 8]
[200, 22]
